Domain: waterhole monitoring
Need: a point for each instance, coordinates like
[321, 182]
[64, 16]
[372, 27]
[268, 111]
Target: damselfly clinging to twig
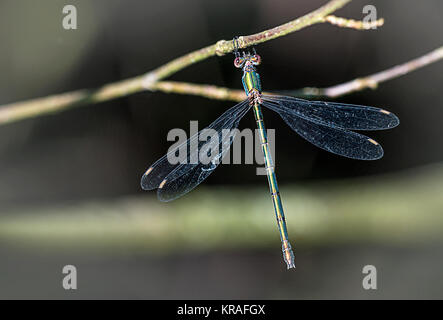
[327, 125]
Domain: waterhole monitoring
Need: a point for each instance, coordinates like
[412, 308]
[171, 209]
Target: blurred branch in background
[150, 81]
[396, 209]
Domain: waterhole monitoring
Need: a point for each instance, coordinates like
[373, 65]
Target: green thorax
[251, 80]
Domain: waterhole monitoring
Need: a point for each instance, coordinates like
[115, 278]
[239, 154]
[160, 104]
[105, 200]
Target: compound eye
[238, 62]
[257, 59]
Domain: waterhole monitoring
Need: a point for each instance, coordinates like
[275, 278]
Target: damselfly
[327, 125]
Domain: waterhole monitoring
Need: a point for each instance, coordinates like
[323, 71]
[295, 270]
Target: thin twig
[373, 80]
[59, 102]
[223, 47]
[202, 90]
[354, 24]
[28, 109]
[35, 107]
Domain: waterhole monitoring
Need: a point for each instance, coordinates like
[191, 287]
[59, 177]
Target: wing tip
[376, 152]
[380, 155]
[379, 150]
[162, 184]
[394, 120]
[144, 182]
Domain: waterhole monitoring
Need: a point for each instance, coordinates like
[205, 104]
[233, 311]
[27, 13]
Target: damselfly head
[247, 59]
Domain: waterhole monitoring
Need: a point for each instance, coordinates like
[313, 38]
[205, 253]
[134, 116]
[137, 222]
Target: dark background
[99, 152]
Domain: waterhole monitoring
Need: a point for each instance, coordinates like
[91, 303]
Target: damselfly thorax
[251, 78]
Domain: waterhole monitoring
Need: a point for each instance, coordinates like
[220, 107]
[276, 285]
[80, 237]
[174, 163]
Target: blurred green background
[69, 187]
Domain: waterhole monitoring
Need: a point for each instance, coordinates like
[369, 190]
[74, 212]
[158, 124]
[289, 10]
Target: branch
[353, 24]
[226, 46]
[28, 109]
[31, 108]
[59, 102]
[202, 90]
[373, 80]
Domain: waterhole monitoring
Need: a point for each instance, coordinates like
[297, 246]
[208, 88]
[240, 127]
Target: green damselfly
[327, 125]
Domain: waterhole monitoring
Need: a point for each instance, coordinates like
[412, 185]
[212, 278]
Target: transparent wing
[336, 140]
[331, 114]
[187, 165]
